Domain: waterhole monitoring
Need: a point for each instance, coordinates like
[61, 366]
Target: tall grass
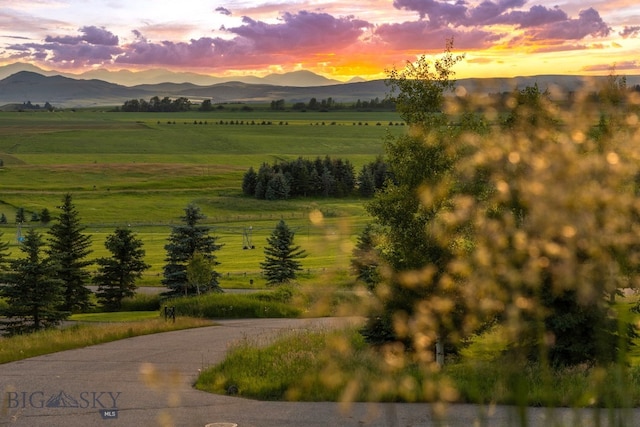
[338, 365]
[224, 305]
[50, 341]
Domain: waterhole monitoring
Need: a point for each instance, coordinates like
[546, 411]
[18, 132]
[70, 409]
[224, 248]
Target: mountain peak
[299, 78]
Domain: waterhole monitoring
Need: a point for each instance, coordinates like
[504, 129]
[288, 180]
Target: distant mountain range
[21, 83]
[64, 92]
[155, 76]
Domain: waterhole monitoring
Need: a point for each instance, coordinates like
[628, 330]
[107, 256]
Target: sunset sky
[335, 38]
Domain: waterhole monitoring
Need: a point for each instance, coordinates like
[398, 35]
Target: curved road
[146, 381]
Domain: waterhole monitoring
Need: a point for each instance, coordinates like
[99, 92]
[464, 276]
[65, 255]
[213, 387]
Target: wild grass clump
[269, 372]
[340, 366]
[141, 302]
[20, 347]
[500, 382]
[281, 301]
[225, 305]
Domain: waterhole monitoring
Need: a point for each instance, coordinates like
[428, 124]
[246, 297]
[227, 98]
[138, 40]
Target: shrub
[141, 302]
[235, 306]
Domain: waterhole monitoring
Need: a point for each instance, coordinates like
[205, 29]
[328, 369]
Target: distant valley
[22, 83]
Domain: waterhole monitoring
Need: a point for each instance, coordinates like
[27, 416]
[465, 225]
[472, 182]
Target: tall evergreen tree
[20, 216]
[4, 254]
[45, 216]
[366, 182]
[281, 263]
[69, 247]
[278, 188]
[117, 275]
[366, 258]
[249, 181]
[32, 290]
[185, 240]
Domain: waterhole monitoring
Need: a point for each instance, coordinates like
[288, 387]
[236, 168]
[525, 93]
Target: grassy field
[49, 341]
[140, 170]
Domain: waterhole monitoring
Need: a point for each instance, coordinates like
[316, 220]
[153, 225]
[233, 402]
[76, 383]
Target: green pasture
[140, 170]
[66, 137]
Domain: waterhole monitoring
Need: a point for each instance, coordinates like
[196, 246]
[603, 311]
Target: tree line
[167, 104]
[49, 281]
[322, 177]
[329, 104]
[156, 105]
[44, 216]
[28, 106]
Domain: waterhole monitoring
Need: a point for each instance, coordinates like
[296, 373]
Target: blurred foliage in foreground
[523, 214]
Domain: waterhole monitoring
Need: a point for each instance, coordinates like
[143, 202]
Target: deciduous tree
[199, 271]
[419, 89]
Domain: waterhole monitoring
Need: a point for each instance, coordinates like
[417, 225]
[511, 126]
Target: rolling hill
[66, 92]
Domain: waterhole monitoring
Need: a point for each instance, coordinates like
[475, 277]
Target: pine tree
[185, 240]
[281, 257]
[117, 275]
[365, 262]
[278, 188]
[69, 247]
[366, 182]
[20, 216]
[4, 254]
[33, 293]
[45, 216]
[249, 181]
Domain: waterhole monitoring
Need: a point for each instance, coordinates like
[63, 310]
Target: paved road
[146, 381]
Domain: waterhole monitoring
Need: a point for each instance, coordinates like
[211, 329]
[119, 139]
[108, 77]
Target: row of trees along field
[156, 105]
[328, 104]
[530, 226]
[318, 178]
[166, 104]
[48, 282]
[44, 216]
